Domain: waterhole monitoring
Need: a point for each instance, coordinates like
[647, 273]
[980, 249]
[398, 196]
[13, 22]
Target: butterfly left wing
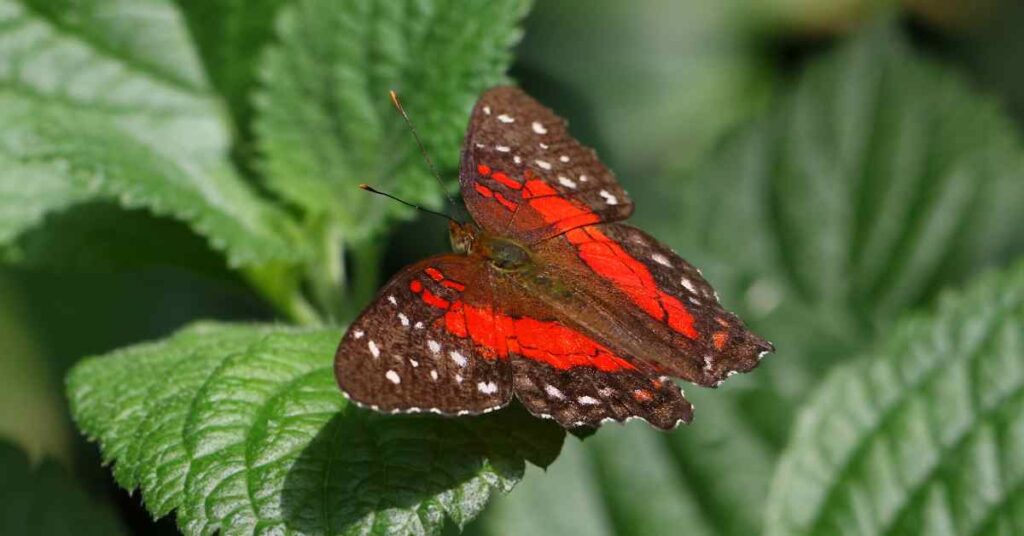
[400, 355]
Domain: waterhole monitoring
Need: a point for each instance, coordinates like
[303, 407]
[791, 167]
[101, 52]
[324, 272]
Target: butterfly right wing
[402, 356]
[519, 161]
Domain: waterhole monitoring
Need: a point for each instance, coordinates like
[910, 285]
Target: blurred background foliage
[734, 124]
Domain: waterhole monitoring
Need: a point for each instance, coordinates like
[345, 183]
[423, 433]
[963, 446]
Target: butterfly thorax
[501, 253]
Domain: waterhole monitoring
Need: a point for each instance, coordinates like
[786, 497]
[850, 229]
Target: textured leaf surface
[242, 429]
[880, 179]
[102, 100]
[925, 435]
[325, 122]
[43, 499]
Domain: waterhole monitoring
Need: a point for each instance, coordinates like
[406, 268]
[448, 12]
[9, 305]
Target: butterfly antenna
[373, 190]
[423, 149]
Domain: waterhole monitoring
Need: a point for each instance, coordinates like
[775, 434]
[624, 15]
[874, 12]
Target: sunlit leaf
[242, 428]
[102, 101]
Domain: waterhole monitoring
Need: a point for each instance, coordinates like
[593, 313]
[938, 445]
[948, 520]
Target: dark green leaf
[241, 428]
[325, 122]
[104, 236]
[43, 499]
[924, 435]
[101, 100]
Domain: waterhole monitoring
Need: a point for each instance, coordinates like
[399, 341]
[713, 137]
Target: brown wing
[432, 342]
[635, 291]
[400, 355]
[517, 155]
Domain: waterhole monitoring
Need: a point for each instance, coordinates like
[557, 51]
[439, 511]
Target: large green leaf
[242, 428]
[880, 179]
[325, 122]
[102, 100]
[43, 499]
[923, 436]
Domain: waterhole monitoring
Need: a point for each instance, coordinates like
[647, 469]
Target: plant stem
[279, 286]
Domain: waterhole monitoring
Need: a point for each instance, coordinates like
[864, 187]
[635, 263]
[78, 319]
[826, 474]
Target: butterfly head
[463, 236]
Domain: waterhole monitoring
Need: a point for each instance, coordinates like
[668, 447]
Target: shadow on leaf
[399, 472]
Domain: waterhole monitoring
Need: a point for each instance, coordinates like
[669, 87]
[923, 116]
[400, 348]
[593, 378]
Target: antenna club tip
[364, 186]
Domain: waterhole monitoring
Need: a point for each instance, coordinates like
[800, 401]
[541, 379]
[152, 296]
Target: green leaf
[924, 435]
[242, 428]
[41, 498]
[881, 178]
[325, 123]
[229, 36]
[101, 100]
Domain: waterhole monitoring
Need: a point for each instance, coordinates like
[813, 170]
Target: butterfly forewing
[400, 355]
[517, 156]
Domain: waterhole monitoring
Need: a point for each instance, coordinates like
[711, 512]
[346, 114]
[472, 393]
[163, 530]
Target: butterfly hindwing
[673, 315]
[400, 355]
[563, 373]
[518, 155]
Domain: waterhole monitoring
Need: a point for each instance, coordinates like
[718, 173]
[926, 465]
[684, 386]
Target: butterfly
[547, 297]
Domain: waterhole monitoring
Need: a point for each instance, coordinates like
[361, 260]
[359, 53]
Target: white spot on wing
[505, 118]
[689, 285]
[358, 334]
[588, 401]
[434, 346]
[414, 363]
[458, 378]
[502, 148]
[517, 160]
[661, 259]
[539, 128]
[418, 325]
[553, 392]
[487, 110]
[606, 391]
[543, 145]
[458, 358]
[392, 300]
[403, 319]
[373, 349]
[393, 377]
[543, 164]
[566, 181]
[584, 178]
[609, 198]
[433, 375]
[563, 158]
[487, 388]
